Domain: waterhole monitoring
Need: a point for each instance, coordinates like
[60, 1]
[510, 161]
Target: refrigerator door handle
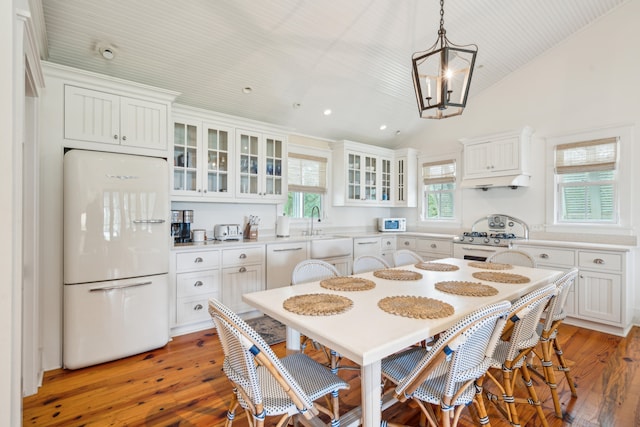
[148, 221]
[111, 288]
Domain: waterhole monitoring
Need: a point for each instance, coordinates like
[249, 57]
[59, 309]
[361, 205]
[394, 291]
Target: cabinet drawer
[243, 256]
[195, 309]
[552, 256]
[600, 261]
[406, 243]
[196, 283]
[388, 244]
[200, 260]
[434, 245]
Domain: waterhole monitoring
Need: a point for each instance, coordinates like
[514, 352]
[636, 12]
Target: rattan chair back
[365, 263]
[405, 257]
[312, 270]
[513, 257]
[263, 385]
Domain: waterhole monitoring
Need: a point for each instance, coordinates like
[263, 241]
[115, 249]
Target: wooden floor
[182, 385]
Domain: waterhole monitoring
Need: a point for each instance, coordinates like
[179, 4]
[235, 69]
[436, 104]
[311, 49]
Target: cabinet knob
[115, 136]
[406, 243]
[433, 246]
[243, 269]
[598, 261]
[198, 284]
[205, 190]
[388, 243]
[199, 190]
[124, 138]
[544, 256]
[198, 260]
[197, 307]
[243, 256]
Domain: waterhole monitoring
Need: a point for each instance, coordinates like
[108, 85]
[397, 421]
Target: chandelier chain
[441, 31]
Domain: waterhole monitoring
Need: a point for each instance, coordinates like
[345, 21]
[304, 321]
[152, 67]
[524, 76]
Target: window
[587, 181]
[307, 178]
[439, 190]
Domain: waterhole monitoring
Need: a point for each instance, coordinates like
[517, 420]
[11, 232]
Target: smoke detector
[107, 52]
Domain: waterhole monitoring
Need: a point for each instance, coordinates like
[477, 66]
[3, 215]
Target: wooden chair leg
[549, 375]
[564, 367]
[478, 401]
[231, 412]
[526, 376]
[509, 399]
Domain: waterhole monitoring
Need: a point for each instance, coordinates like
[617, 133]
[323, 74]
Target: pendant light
[442, 76]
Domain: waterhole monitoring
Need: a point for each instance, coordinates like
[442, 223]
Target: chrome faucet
[314, 209]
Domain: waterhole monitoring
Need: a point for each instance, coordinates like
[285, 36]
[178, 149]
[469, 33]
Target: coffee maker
[181, 225]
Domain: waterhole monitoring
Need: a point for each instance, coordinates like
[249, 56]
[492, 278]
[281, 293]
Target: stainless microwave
[392, 224]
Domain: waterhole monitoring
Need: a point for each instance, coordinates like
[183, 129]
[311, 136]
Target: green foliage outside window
[299, 205]
[439, 203]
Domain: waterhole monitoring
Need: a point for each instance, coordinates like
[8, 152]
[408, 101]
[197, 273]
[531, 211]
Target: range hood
[512, 181]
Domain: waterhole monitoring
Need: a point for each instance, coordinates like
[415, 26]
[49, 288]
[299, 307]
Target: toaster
[227, 232]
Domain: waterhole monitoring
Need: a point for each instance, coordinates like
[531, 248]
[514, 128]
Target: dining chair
[264, 385]
[405, 257]
[445, 374]
[365, 263]
[548, 331]
[517, 342]
[513, 257]
[312, 270]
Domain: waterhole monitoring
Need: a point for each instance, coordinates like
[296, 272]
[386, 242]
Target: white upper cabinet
[261, 166]
[362, 175]
[500, 155]
[201, 159]
[96, 116]
[216, 158]
[367, 175]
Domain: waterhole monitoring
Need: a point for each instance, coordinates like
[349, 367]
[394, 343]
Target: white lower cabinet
[432, 248]
[366, 246]
[388, 244]
[599, 299]
[282, 258]
[242, 272]
[224, 274]
[197, 279]
[344, 265]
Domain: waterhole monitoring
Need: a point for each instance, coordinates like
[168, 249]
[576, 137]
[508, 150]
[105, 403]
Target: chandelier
[442, 76]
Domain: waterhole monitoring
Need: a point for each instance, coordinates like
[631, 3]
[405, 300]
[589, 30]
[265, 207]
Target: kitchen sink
[324, 246]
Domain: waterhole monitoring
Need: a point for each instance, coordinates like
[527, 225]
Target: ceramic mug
[198, 235]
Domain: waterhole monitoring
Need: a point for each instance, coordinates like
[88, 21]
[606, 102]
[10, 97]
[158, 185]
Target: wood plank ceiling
[351, 56]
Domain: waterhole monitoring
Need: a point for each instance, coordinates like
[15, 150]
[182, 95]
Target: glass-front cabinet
[201, 159]
[261, 166]
[185, 156]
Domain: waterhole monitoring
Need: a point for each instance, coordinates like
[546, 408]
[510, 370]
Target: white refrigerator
[116, 256]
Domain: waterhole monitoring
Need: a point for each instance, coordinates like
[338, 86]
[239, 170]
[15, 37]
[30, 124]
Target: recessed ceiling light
[107, 52]
[397, 132]
[327, 112]
[247, 89]
[297, 105]
[383, 127]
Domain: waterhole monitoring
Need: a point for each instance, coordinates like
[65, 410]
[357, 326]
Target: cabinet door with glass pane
[248, 164]
[186, 175]
[274, 170]
[354, 176]
[218, 154]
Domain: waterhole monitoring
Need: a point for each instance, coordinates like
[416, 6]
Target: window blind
[587, 156]
[440, 172]
[307, 173]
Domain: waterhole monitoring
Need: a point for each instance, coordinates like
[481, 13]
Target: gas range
[494, 230]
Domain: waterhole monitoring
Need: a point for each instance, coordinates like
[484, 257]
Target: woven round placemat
[436, 266]
[416, 307]
[490, 265]
[317, 304]
[469, 289]
[347, 284]
[394, 274]
[493, 276]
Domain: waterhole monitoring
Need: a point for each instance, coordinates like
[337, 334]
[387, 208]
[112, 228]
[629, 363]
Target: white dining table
[366, 334]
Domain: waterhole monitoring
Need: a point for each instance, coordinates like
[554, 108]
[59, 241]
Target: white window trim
[300, 223]
[623, 225]
[456, 221]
